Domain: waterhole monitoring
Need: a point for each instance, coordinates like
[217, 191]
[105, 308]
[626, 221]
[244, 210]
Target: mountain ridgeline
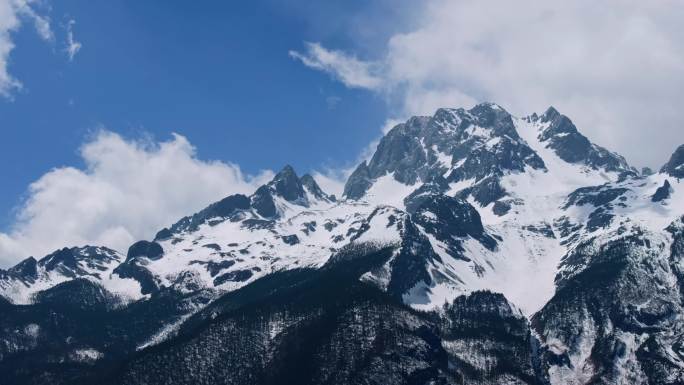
[473, 247]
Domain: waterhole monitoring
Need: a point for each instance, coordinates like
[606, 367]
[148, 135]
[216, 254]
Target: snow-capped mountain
[23, 281]
[477, 235]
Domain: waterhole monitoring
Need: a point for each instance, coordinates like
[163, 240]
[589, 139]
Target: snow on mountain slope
[501, 166]
[386, 190]
[250, 247]
[20, 283]
[287, 224]
[524, 199]
[525, 265]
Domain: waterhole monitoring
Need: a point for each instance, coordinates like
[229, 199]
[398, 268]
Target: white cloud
[331, 181]
[72, 46]
[127, 192]
[40, 22]
[11, 14]
[349, 70]
[615, 67]
[8, 23]
[389, 124]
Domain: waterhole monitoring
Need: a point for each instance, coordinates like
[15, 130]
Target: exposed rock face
[482, 141]
[449, 218]
[287, 184]
[603, 325]
[134, 267]
[675, 166]
[150, 250]
[359, 182]
[663, 192]
[263, 202]
[225, 208]
[573, 147]
[309, 183]
[26, 270]
[473, 329]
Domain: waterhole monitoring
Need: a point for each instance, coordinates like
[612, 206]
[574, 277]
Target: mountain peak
[559, 124]
[287, 170]
[675, 166]
[496, 118]
[226, 207]
[26, 269]
[287, 184]
[359, 182]
[286, 174]
[551, 113]
[309, 183]
[489, 105]
[454, 144]
[561, 135]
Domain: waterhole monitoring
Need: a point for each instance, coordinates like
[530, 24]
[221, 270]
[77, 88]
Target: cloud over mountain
[127, 191]
[616, 66]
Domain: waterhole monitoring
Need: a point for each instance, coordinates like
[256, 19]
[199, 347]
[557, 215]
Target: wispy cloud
[349, 70]
[128, 190]
[72, 46]
[40, 21]
[332, 101]
[12, 12]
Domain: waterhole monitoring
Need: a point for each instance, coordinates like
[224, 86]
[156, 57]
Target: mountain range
[473, 247]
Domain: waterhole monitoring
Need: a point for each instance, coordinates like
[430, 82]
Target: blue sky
[219, 74]
[88, 153]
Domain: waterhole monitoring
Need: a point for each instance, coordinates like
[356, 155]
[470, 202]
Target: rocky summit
[473, 247]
